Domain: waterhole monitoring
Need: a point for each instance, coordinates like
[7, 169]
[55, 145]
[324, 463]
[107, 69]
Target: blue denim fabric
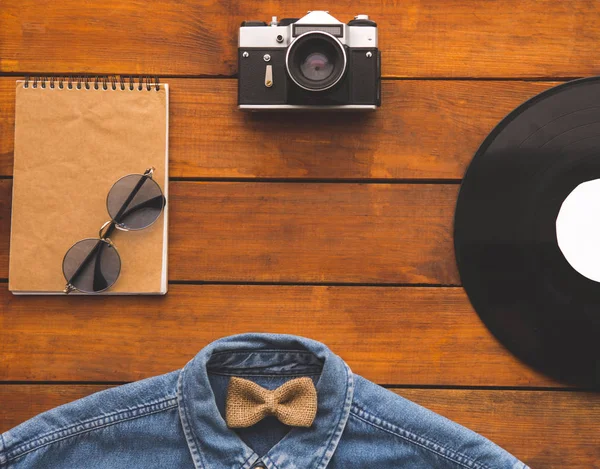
[176, 421]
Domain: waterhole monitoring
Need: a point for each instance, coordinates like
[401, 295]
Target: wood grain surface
[280, 232]
[546, 429]
[5, 204]
[389, 335]
[425, 130]
[420, 38]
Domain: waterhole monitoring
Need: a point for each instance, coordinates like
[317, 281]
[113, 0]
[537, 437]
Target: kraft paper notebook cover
[71, 146]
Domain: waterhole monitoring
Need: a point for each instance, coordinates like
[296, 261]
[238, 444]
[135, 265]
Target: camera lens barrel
[316, 61]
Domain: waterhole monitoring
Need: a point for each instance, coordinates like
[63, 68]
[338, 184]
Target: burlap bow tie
[294, 403]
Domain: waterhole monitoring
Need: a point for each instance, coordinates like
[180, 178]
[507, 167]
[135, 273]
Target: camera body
[315, 62]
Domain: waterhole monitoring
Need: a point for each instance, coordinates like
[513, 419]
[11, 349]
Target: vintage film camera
[315, 62]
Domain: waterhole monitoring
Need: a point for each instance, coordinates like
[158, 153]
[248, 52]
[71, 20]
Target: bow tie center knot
[270, 402]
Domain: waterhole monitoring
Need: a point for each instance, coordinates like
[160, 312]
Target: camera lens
[316, 66]
[316, 61]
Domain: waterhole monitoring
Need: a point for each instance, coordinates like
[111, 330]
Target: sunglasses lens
[92, 265]
[135, 202]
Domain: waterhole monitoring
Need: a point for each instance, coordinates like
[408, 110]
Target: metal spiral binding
[97, 82]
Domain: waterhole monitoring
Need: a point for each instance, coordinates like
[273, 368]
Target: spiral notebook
[74, 138]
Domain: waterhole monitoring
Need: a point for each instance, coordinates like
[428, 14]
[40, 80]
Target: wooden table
[334, 227]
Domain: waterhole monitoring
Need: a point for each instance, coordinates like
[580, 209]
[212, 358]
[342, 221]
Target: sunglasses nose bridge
[106, 229]
[102, 233]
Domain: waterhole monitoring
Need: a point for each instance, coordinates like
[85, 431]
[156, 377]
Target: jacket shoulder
[417, 430]
[99, 410]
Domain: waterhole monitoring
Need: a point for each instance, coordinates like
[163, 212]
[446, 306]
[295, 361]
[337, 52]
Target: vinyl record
[518, 280]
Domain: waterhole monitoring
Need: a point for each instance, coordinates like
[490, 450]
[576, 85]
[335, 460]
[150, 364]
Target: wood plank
[389, 335]
[425, 129]
[419, 38]
[5, 210]
[545, 429]
[281, 232]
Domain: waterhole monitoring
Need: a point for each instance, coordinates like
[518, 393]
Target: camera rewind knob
[362, 20]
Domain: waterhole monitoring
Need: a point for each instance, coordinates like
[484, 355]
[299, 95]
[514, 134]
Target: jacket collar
[215, 446]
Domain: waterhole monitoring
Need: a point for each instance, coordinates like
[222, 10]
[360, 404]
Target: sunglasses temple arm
[157, 201]
[99, 283]
[85, 262]
[130, 197]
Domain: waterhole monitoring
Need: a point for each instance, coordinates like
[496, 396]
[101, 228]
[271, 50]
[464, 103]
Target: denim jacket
[176, 421]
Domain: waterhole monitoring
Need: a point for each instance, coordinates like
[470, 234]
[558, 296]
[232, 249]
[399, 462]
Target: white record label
[578, 229]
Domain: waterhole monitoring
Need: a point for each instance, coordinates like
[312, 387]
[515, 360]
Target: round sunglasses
[93, 265]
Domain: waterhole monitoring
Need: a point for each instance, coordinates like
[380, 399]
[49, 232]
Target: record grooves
[510, 264]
